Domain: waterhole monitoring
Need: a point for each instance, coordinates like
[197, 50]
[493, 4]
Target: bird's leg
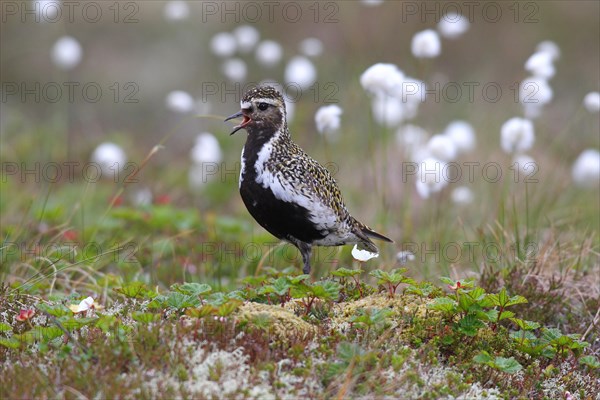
[305, 250]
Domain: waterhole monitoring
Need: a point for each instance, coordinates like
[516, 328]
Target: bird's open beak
[245, 121]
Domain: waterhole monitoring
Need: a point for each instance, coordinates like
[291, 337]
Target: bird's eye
[263, 106]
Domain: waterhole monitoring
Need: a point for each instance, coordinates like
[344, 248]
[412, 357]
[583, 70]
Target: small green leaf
[448, 281]
[483, 357]
[444, 304]
[229, 307]
[469, 325]
[590, 361]
[281, 286]
[192, 288]
[345, 272]
[57, 310]
[216, 299]
[508, 365]
[506, 314]
[201, 312]
[525, 325]
[11, 343]
[5, 327]
[136, 290]
[145, 318]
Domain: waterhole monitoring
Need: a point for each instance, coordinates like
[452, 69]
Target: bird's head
[263, 111]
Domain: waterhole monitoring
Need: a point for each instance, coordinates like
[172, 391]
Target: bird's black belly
[285, 220]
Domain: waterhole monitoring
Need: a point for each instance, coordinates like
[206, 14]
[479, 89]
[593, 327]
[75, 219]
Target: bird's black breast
[285, 220]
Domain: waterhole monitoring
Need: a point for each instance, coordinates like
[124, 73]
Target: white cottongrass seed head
[176, 10]
[426, 44]
[234, 69]
[47, 10]
[300, 71]
[526, 166]
[410, 138]
[591, 102]
[66, 53]
[311, 47]
[180, 101]
[453, 25]
[371, 3]
[268, 53]
[223, 44]
[362, 255]
[442, 147]
[206, 149]
[388, 111]
[110, 157]
[405, 256]
[517, 135]
[548, 46]
[247, 37]
[327, 118]
[462, 195]
[430, 177]
[586, 169]
[382, 79]
[540, 65]
[535, 90]
[462, 134]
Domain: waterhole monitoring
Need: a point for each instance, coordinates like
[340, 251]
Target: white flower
[453, 25]
[462, 134]
[66, 53]
[180, 101]
[371, 3]
[535, 90]
[362, 255]
[311, 47]
[410, 138]
[462, 195]
[442, 147]
[46, 10]
[382, 79]
[176, 10]
[405, 256]
[540, 65]
[142, 197]
[426, 44]
[517, 135]
[269, 53]
[110, 157]
[247, 37]
[526, 166]
[548, 46]
[206, 149]
[223, 44]
[387, 111]
[534, 94]
[300, 71]
[327, 118]
[430, 177]
[412, 95]
[591, 102]
[586, 169]
[85, 304]
[234, 69]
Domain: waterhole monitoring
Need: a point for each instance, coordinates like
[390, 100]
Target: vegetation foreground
[282, 335]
